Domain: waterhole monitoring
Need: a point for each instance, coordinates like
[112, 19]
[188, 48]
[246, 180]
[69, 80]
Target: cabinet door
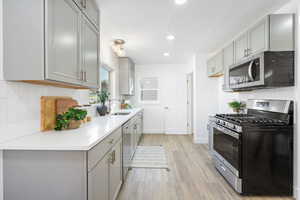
[115, 170]
[219, 63]
[258, 37]
[228, 54]
[98, 181]
[90, 54]
[132, 78]
[91, 10]
[139, 129]
[62, 41]
[134, 139]
[211, 67]
[240, 47]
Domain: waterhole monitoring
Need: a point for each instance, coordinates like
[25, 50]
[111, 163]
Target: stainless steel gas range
[254, 151]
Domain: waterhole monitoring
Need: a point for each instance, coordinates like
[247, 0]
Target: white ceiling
[199, 25]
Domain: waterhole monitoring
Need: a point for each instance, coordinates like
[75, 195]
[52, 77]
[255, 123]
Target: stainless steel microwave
[264, 70]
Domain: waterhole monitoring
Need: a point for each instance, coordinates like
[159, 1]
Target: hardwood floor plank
[192, 175]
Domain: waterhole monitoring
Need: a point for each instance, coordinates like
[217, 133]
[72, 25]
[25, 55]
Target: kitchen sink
[121, 113]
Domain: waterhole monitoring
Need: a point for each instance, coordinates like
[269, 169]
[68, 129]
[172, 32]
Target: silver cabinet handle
[250, 70]
[82, 75]
[112, 157]
[245, 52]
[82, 3]
[249, 51]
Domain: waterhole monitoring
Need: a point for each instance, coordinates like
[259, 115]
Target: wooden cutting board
[51, 106]
[63, 104]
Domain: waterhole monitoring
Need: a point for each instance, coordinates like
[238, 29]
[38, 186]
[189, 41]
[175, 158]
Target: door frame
[190, 103]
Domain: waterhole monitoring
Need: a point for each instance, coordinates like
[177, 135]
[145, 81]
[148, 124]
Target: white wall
[110, 60]
[173, 94]
[205, 98]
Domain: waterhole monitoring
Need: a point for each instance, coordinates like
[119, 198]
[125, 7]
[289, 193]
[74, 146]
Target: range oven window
[245, 73]
[227, 146]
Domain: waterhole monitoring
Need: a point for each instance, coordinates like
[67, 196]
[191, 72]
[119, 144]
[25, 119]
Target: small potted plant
[237, 106]
[103, 97]
[71, 119]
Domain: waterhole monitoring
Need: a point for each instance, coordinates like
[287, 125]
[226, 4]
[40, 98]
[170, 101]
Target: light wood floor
[192, 175]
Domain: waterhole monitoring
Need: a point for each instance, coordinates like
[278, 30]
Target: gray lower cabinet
[58, 44]
[98, 180]
[105, 179]
[115, 170]
[78, 175]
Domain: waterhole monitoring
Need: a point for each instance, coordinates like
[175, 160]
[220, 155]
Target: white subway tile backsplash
[3, 112]
[20, 106]
[3, 90]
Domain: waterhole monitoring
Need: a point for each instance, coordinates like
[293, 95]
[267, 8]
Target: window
[105, 79]
[105, 84]
[149, 90]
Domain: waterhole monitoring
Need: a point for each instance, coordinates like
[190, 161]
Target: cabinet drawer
[97, 152]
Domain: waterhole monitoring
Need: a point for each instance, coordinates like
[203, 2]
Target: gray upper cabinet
[63, 41]
[127, 76]
[58, 44]
[90, 50]
[90, 9]
[282, 37]
[272, 33]
[240, 46]
[258, 37]
[228, 56]
[215, 65]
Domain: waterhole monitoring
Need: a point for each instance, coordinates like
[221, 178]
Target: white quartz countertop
[81, 139]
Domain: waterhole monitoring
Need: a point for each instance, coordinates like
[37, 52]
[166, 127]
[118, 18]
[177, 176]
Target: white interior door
[190, 103]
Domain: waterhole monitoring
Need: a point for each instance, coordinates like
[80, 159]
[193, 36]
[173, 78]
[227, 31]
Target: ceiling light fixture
[170, 37]
[118, 47]
[180, 2]
[166, 54]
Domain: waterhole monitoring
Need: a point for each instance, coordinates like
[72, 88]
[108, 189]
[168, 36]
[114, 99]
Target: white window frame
[140, 91]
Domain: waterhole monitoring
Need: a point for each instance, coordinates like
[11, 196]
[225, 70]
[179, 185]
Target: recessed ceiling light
[170, 37]
[180, 2]
[166, 54]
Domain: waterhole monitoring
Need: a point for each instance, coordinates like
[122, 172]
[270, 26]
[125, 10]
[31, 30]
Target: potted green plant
[70, 120]
[237, 106]
[103, 97]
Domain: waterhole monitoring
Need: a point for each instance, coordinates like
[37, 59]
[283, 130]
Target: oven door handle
[250, 70]
[227, 132]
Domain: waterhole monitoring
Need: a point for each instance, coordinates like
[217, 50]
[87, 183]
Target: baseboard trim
[201, 140]
[152, 131]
